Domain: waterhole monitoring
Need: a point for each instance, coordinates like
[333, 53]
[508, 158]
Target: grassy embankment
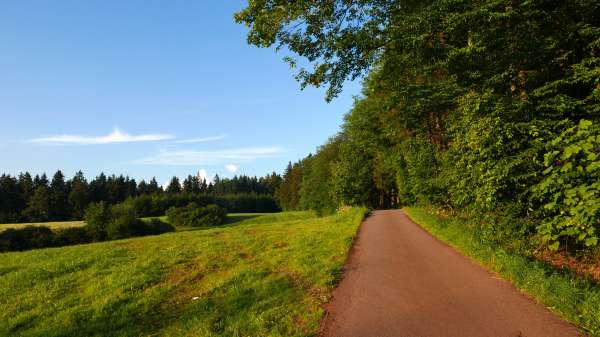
[265, 275]
[570, 296]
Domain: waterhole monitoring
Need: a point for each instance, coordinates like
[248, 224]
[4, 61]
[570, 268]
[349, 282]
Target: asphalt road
[401, 282]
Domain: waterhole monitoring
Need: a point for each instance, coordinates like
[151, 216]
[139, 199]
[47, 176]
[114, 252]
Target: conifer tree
[174, 186]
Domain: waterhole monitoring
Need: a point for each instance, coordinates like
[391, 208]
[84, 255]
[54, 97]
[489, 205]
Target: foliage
[97, 216]
[461, 102]
[570, 190]
[29, 237]
[193, 215]
[104, 223]
[265, 276]
[340, 38]
[124, 223]
[316, 189]
[416, 176]
[24, 198]
[158, 204]
[73, 236]
[288, 192]
[155, 226]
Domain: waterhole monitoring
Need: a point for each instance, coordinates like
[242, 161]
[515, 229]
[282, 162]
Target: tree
[153, 186]
[143, 187]
[340, 39]
[38, 207]
[26, 186]
[11, 202]
[288, 193]
[317, 190]
[58, 198]
[40, 181]
[174, 186]
[191, 184]
[78, 195]
[98, 188]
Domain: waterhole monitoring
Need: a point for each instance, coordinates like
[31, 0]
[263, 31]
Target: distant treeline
[158, 204]
[37, 199]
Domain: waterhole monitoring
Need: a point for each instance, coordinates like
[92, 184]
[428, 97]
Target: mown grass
[51, 225]
[572, 297]
[262, 276]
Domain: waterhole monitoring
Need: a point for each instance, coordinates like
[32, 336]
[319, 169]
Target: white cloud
[202, 174]
[201, 140]
[232, 168]
[213, 157]
[117, 136]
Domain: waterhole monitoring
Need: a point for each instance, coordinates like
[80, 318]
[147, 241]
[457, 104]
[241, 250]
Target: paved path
[401, 282]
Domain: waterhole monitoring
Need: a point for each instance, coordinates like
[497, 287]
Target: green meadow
[259, 275]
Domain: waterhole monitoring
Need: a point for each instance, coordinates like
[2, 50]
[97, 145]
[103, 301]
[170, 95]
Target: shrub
[124, 223]
[156, 226]
[570, 189]
[72, 236]
[97, 216]
[196, 216]
[28, 237]
[103, 223]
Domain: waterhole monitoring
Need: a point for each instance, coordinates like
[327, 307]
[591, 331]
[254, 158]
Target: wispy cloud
[212, 157]
[201, 140]
[117, 136]
[232, 168]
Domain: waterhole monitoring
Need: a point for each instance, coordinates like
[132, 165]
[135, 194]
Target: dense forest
[37, 199]
[488, 109]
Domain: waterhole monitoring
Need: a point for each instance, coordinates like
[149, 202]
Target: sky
[150, 89]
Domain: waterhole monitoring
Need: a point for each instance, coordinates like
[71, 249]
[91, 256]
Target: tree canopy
[488, 106]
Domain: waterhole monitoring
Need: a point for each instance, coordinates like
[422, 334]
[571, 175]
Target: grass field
[264, 275]
[51, 225]
[571, 297]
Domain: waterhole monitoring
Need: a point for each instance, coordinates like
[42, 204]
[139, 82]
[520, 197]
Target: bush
[156, 226]
[28, 237]
[97, 216]
[103, 223]
[124, 223]
[72, 236]
[195, 216]
[570, 190]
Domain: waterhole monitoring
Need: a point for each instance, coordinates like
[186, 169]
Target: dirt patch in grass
[561, 260]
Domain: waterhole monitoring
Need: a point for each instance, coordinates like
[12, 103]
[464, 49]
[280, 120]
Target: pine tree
[26, 185]
[78, 195]
[142, 187]
[153, 186]
[38, 207]
[58, 198]
[174, 186]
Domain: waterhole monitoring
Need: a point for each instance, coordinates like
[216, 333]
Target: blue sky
[149, 88]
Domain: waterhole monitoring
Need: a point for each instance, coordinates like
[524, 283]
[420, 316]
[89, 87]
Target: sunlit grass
[266, 275]
[51, 225]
